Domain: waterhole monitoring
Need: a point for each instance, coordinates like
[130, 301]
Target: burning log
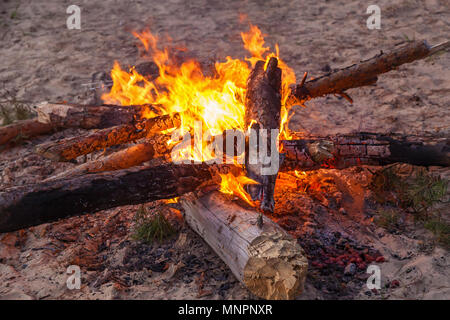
[267, 260]
[53, 116]
[364, 73]
[262, 111]
[340, 151]
[68, 149]
[343, 151]
[29, 205]
[123, 159]
[46, 201]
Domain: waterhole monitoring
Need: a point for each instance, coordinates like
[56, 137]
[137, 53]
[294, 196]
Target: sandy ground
[41, 60]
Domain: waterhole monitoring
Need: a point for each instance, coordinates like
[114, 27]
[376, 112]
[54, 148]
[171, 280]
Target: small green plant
[417, 190]
[441, 231]
[422, 191]
[151, 227]
[14, 13]
[387, 218]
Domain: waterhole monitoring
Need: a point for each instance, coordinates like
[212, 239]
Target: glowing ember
[217, 101]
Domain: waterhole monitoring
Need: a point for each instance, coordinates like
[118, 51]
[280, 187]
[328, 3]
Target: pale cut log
[30, 205]
[55, 116]
[132, 156]
[267, 260]
[71, 148]
[363, 73]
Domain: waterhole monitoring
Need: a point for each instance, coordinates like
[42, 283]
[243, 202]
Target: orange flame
[233, 185]
[217, 101]
[173, 200]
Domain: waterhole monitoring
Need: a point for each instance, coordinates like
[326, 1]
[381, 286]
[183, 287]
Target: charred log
[68, 149]
[30, 205]
[53, 117]
[343, 151]
[132, 156]
[89, 117]
[262, 112]
[340, 151]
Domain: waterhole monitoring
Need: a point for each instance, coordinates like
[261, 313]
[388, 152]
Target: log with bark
[55, 116]
[262, 112]
[82, 192]
[267, 260]
[46, 201]
[71, 148]
[314, 152]
[89, 117]
[152, 148]
[364, 73]
[23, 129]
[347, 150]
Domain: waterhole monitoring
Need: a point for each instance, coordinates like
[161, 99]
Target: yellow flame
[300, 174]
[216, 100]
[233, 185]
[173, 200]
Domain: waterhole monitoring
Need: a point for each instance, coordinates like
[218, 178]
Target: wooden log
[343, 151]
[363, 73]
[89, 117]
[49, 200]
[23, 129]
[338, 151]
[132, 156]
[262, 111]
[53, 116]
[30, 205]
[71, 148]
[268, 261]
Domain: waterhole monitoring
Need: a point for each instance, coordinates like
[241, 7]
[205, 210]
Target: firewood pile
[264, 257]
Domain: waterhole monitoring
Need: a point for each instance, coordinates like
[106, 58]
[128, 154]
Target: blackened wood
[46, 201]
[71, 148]
[135, 155]
[88, 116]
[338, 151]
[29, 205]
[262, 111]
[343, 151]
[54, 116]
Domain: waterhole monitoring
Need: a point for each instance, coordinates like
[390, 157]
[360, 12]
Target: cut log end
[267, 260]
[276, 268]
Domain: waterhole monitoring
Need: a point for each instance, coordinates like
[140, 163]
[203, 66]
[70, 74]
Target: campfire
[208, 139]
